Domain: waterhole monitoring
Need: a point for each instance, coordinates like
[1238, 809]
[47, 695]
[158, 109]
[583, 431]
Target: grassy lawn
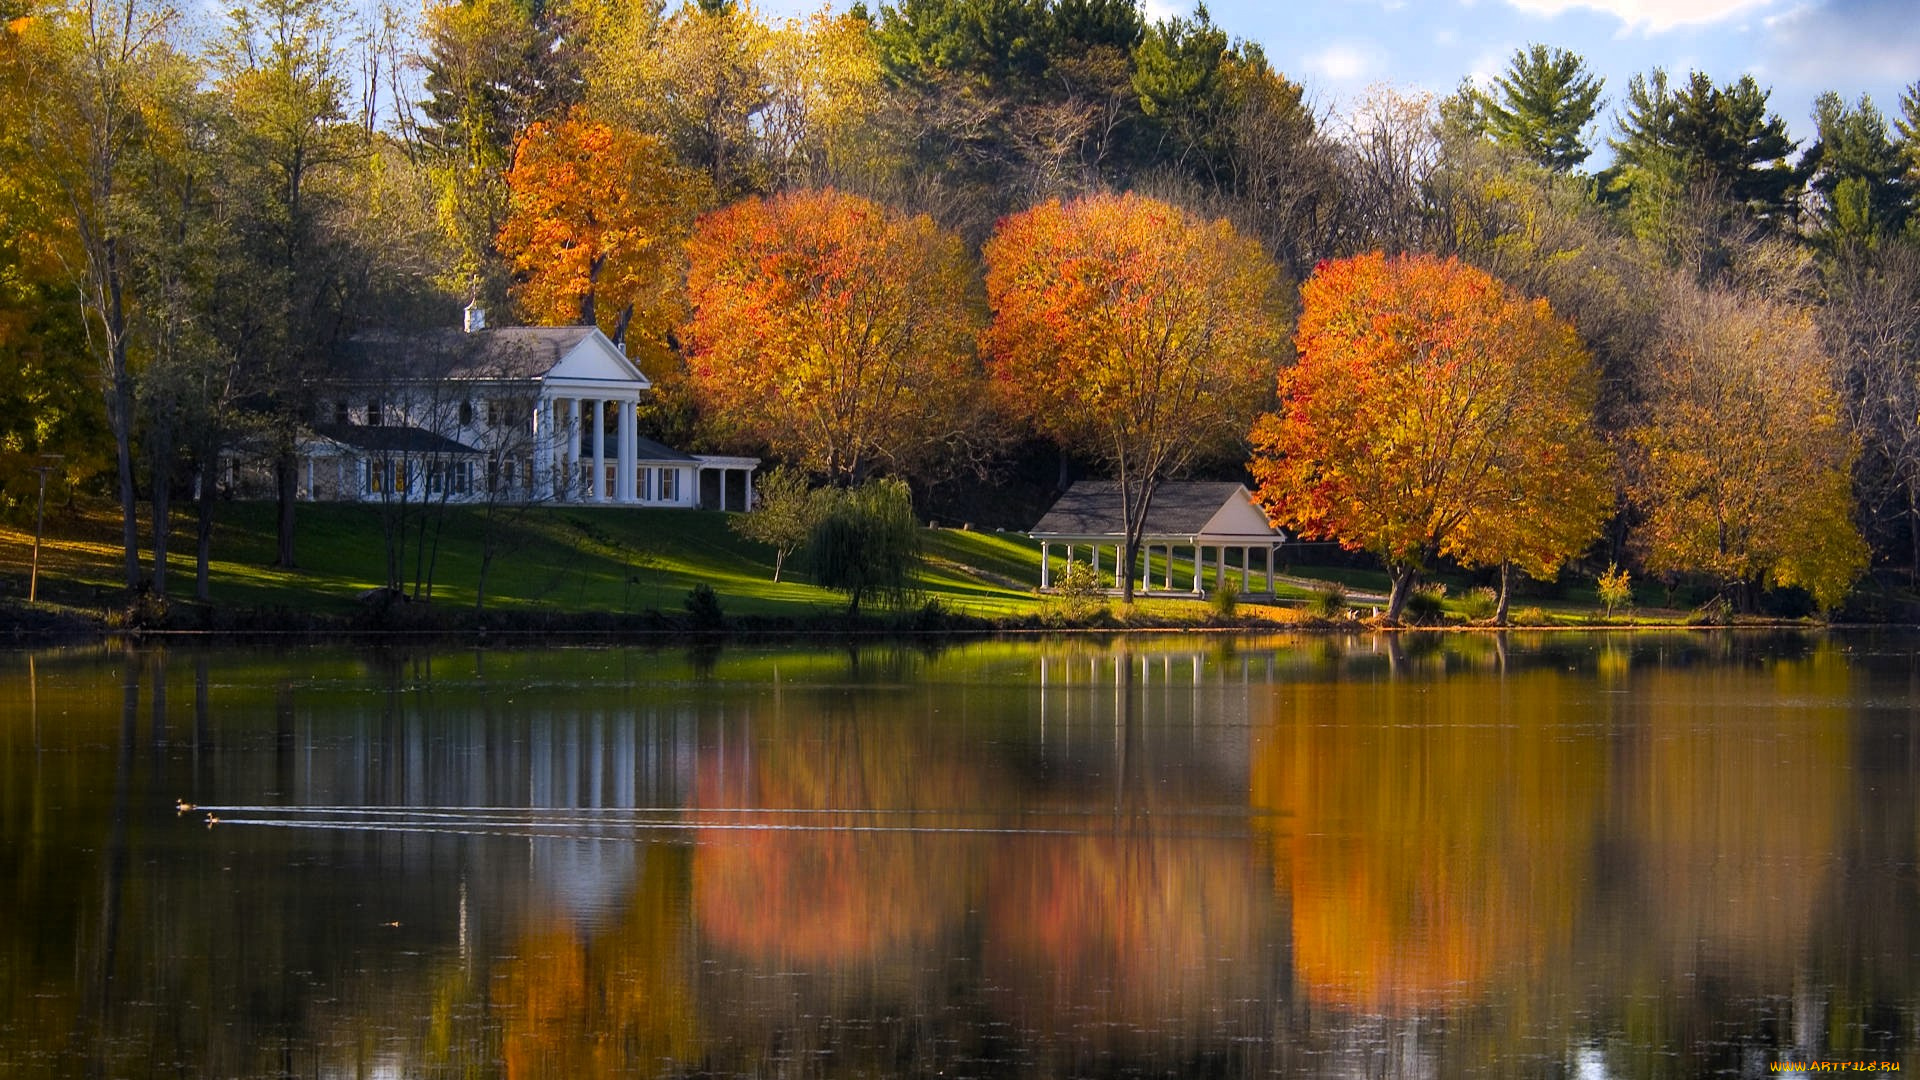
[612, 560]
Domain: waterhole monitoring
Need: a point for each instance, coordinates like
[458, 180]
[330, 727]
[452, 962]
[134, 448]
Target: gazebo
[1193, 516]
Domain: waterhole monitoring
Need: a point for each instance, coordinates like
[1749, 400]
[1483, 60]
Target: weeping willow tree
[867, 544]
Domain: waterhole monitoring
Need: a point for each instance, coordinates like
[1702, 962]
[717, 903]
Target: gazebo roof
[1213, 510]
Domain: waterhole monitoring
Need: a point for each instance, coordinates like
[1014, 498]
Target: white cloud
[1655, 15]
[1844, 42]
[1344, 62]
[1158, 10]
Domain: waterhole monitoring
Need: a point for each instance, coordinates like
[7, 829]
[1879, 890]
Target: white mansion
[521, 414]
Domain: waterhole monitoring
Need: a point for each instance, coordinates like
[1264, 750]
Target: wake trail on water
[611, 823]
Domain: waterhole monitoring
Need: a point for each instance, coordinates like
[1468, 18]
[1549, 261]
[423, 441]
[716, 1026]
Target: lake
[1607, 855]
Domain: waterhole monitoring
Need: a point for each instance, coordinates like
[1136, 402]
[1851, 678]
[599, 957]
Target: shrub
[703, 608]
[1329, 601]
[1080, 592]
[1427, 604]
[1225, 600]
[1615, 588]
[1481, 603]
[1715, 612]
[1530, 616]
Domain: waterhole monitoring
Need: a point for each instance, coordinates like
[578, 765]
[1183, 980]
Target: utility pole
[48, 462]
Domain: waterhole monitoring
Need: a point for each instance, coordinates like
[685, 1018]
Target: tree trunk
[120, 419]
[203, 541]
[286, 473]
[1506, 590]
[1913, 532]
[162, 513]
[1404, 578]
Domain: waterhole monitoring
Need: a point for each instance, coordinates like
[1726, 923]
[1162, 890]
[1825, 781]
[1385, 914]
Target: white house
[520, 414]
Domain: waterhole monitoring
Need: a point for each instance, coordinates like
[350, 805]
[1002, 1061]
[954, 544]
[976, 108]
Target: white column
[1169, 567]
[1095, 548]
[1269, 569]
[1199, 569]
[1120, 570]
[1046, 558]
[570, 458]
[749, 488]
[624, 491]
[600, 450]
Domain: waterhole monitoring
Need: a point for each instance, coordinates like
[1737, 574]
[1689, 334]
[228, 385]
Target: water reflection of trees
[1434, 838]
[1692, 854]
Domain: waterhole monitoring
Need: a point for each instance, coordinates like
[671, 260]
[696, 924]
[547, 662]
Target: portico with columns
[1206, 523]
[544, 414]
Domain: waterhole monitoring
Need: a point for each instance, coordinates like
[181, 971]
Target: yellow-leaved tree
[1742, 467]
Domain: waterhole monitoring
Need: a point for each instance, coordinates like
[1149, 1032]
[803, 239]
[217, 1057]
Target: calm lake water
[1462, 855]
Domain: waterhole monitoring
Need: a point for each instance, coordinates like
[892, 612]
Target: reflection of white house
[523, 414]
[1193, 517]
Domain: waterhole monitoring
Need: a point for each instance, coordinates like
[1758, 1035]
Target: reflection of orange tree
[1434, 846]
[773, 877]
[1142, 926]
[607, 1004]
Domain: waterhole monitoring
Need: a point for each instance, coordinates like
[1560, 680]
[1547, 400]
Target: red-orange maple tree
[598, 218]
[1132, 331]
[833, 329]
[1434, 412]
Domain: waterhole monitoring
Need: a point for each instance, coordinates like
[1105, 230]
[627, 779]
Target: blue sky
[1798, 48]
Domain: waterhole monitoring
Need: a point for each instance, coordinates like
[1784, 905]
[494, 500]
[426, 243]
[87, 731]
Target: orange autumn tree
[1434, 412]
[1131, 331]
[833, 329]
[594, 234]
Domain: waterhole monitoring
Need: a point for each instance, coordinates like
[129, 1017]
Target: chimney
[476, 317]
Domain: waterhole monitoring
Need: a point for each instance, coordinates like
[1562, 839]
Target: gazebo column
[1270, 591]
[1120, 567]
[1094, 548]
[1046, 565]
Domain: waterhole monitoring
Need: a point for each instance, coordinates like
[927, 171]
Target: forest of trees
[856, 210]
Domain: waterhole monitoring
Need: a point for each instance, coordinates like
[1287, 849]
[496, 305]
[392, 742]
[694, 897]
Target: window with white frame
[669, 485]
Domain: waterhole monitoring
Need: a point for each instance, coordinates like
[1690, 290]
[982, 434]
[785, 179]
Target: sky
[1798, 48]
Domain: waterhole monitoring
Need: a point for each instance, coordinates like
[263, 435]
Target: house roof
[391, 439]
[515, 352]
[645, 449]
[1221, 509]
